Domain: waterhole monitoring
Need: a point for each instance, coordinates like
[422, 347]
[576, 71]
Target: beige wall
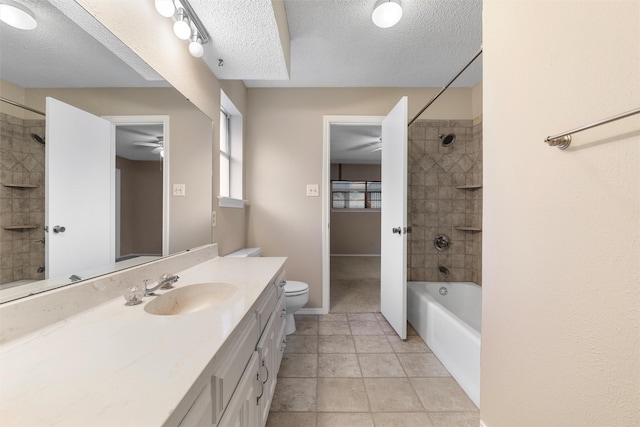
[561, 268]
[140, 206]
[284, 154]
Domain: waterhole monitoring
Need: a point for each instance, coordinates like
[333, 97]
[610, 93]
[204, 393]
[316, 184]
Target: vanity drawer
[280, 282]
[265, 308]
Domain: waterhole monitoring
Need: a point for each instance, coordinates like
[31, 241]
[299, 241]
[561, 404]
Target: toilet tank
[246, 252]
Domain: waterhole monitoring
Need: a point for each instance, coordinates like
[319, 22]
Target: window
[225, 154]
[230, 154]
[356, 194]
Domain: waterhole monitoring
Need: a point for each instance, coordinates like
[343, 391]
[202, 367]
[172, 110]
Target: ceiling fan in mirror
[372, 146]
[156, 146]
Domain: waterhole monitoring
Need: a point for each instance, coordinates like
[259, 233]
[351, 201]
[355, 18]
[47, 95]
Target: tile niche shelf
[21, 185]
[21, 226]
[467, 228]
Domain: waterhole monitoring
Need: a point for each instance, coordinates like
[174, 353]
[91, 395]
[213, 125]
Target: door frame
[326, 197]
[164, 121]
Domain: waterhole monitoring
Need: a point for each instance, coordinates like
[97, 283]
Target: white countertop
[115, 365]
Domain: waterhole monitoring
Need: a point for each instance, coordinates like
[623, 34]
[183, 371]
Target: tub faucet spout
[444, 270]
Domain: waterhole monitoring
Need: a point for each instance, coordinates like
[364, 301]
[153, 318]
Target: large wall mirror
[162, 140]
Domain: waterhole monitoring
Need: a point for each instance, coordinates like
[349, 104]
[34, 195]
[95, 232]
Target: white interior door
[79, 191]
[393, 274]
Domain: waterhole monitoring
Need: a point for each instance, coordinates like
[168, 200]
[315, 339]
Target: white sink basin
[191, 298]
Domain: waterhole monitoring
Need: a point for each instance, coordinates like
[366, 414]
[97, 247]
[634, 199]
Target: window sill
[228, 202]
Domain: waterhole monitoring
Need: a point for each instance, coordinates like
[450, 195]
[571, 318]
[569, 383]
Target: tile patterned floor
[355, 284]
[352, 370]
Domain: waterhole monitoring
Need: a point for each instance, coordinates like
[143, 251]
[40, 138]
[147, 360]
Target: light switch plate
[312, 190]
[179, 190]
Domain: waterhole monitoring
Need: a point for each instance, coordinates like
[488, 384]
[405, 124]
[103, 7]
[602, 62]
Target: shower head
[447, 139]
[37, 138]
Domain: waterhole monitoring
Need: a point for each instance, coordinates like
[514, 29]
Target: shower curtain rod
[445, 87]
[15, 104]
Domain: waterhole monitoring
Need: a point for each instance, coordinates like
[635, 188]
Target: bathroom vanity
[79, 356]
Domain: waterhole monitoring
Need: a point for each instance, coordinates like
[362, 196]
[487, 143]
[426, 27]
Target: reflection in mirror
[86, 71]
[140, 151]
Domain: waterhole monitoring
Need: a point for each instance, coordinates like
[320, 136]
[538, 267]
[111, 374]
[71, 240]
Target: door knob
[58, 229]
[396, 230]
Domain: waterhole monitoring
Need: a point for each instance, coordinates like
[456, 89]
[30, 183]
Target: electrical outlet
[213, 218]
[312, 190]
[179, 190]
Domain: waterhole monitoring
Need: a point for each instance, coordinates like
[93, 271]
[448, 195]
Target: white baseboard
[312, 311]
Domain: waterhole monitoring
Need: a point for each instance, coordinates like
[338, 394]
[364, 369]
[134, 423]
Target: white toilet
[296, 293]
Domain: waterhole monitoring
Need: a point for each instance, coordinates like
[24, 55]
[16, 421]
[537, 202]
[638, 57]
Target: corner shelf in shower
[21, 185]
[466, 228]
[469, 187]
[21, 227]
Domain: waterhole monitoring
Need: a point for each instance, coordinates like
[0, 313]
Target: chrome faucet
[166, 282]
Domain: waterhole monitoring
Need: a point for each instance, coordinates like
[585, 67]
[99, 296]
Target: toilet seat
[293, 288]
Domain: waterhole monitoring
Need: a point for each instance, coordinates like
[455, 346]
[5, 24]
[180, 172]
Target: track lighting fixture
[195, 46]
[187, 25]
[181, 27]
[165, 8]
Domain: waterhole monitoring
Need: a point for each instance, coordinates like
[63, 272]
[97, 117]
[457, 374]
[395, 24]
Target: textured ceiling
[335, 44]
[69, 48]
[244, 33]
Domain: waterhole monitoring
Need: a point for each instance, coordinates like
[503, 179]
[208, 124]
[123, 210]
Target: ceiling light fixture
[17, 16]
[386, 13]
[195, 46]
[187, 25]
[181, 27]
[165, 8]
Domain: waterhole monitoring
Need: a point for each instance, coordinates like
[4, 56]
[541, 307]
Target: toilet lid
[292, 287]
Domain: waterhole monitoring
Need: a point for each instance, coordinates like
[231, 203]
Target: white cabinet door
[268, 364]
[393, 272]
[79, 191]
[243, 409]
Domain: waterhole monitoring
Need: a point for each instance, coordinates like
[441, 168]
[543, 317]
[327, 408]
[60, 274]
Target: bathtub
[450, 324]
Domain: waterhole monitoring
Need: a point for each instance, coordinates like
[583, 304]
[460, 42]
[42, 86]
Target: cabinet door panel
[243, 408]
[226, 376]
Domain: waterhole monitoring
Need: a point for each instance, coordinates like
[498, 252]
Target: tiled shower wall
[436, 206]
[21, 163]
